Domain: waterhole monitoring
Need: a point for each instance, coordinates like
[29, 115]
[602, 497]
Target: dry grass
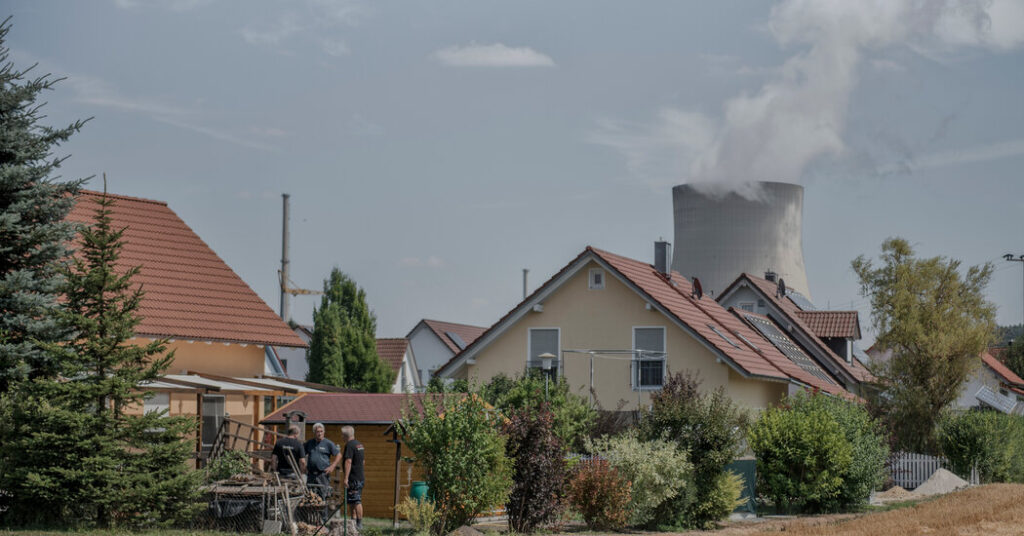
[993, 510]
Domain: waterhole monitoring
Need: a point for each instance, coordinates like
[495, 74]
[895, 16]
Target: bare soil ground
[992, 510]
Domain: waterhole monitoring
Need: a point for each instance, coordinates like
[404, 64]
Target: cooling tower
[720, 236]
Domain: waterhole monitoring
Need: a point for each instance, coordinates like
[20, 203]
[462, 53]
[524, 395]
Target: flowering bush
[599, 494]
[420, 513]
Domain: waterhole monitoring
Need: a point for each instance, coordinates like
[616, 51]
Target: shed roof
[191, 293]
[348, 408]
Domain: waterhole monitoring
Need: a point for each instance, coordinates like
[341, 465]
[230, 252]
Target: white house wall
[430, 351]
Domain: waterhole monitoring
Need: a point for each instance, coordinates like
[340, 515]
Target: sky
[433, 150]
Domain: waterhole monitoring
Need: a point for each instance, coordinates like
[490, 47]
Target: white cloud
[968, 155]
[174, 5]
[496, 55]
[319, 22]
[274, 33]
[416, 262]
[800, 113]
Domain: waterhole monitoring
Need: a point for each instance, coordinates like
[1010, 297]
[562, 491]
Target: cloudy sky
[433, 150]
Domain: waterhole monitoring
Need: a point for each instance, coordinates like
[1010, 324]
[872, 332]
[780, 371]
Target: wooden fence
[909, 470]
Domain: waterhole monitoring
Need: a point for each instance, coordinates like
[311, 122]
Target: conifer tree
[33, 233]
[78, 450]
[343, 350]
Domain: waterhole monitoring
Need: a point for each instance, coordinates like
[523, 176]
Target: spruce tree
[343, 350]
[33, 233]
[79, 451]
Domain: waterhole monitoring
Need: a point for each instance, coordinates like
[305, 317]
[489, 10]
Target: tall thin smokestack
[525, 271]
[286, 313]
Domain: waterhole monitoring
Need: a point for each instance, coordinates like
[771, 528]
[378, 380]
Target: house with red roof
[616, 327]
[397, 353]
[214, 322]
[434, 342]
[993, 385]
[825, 337]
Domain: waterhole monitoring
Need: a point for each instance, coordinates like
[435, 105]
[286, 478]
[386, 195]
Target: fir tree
[343, 350]
[78, 451]
[33, 233]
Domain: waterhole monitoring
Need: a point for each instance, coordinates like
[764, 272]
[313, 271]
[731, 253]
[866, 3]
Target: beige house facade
[617, 328]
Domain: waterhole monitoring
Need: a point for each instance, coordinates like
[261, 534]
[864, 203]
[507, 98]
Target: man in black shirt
[285, 447]
[353, 478]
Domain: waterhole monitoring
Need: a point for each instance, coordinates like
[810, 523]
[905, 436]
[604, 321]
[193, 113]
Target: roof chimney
[770, 276]
[662, 256]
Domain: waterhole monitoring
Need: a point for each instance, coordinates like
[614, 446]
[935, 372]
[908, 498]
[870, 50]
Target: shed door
[213, 416]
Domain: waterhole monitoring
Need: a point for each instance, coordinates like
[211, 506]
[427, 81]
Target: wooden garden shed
[371, 415]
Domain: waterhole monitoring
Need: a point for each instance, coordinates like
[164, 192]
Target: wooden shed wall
[379, 467]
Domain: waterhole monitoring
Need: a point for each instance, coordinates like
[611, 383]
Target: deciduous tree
[934, 318]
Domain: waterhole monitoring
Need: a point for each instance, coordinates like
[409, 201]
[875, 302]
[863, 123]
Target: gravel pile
[895, 493]
[941, 481]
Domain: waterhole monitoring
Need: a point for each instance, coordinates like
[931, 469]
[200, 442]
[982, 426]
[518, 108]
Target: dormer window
[596, 280]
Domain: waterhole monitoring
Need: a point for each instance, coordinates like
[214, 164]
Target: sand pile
[895, 493]
[941, 481]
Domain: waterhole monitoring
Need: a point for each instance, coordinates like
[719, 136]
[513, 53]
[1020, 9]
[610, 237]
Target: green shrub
[420, 514]
[598, 493]
[657, 471]
[456, 442]
[573, 415]
[724, 497]
[802, 456]
[993, 442]
[228, 464]
[709, 428]
[539, 469]
[866, 472]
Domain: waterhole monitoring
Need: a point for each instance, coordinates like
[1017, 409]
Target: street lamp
[1020, 259]
[547, 359]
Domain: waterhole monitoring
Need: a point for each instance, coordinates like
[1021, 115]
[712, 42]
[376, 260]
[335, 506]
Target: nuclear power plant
[717, 237]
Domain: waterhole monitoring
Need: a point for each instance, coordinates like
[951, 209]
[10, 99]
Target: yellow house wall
[215, 358]
[604, 319]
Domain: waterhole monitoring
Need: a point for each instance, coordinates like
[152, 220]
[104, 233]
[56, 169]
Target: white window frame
[748, 306]
[558, 353]
[590, 278]
[634, 369]
[148, 406]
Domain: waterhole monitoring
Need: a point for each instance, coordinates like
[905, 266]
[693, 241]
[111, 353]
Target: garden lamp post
[1020, 259]
[547, 359]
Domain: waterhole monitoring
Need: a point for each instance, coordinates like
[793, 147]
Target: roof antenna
[780, 292]
[698, 291]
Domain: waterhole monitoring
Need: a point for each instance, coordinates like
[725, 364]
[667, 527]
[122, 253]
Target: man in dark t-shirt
[288, 446]
[353, 477]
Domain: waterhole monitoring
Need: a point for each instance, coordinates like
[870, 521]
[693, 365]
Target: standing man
[320, 451]
[353, 478]
[285, 447]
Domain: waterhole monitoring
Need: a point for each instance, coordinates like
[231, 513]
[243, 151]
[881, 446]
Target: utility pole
[287, 291]
[1020, 259]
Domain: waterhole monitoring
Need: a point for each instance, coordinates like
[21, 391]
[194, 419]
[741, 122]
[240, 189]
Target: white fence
[909, 470]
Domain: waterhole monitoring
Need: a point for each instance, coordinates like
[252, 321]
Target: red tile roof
[467, 333]
[791, 310]
[190, 292]
[1002, 370]
[347, 408]
[392, 351]
[832, 323]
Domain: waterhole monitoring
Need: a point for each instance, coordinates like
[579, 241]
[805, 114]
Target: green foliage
[456, 441]
[991, 441]
[438, 384]
[228, 464]
[420, 514]
[343, 349]
[1005, 334]
[802, 456]
[936, 322]
[33, 233]
[600, 495]
[867, 440]
[657, 471]
[76, 451]
[709, 428]
[1014, 356]
[724, 497]
[538, 469]
[573, 415]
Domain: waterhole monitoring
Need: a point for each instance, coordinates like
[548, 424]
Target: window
[156, 402]
[543, 341]
[284, 365]
[649, 357]
[596, 280]
[747, 306]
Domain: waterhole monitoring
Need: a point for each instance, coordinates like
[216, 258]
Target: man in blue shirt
[324, 457]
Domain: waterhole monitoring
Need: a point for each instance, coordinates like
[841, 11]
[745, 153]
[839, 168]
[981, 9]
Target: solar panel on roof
[787, 347]
[801, 301]
[456, 339]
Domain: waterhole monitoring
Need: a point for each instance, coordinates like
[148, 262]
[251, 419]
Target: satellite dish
[781, 292]
[698, 291]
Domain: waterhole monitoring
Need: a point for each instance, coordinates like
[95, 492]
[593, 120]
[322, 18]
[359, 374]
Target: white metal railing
[909, 470]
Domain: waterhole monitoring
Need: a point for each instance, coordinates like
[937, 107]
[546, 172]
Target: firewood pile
[310, 498]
